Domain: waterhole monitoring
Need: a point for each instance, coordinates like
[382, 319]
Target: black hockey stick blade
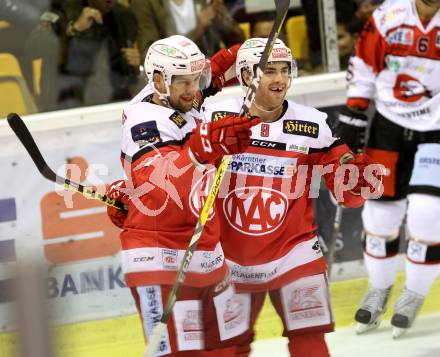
[22, 132]
[282, 6]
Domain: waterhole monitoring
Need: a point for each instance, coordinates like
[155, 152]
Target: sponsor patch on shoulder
[220, 114]
[145, 133]
[301, 127]
[402, 36]
[178, 119]
[197, 102]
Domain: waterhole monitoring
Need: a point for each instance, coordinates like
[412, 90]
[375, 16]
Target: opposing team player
[165, 149]
[267, 225]
[397, 65]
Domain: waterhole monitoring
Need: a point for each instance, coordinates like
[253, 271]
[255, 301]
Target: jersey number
[423, 44]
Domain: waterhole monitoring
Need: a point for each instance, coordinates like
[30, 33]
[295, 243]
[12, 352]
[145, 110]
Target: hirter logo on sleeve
[145, 133]
[220, 114]
[301, 127]
[177, 119]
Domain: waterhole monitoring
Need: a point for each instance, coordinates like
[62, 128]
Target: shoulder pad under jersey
[148, 126]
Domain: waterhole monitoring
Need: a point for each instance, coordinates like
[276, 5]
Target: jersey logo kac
[255, 210]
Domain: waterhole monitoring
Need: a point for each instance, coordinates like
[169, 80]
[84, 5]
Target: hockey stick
[336, 228]
[282, 7]
[335, 232]
[22, 132]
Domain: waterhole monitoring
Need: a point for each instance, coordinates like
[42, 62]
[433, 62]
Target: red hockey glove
[229, 135]
[117, 216]
[223, 67]
[370, 177]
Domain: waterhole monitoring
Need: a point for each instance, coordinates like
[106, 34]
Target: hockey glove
[223, 67]
[369, 177]
[227, 136]
[117, 216]
[351, 128]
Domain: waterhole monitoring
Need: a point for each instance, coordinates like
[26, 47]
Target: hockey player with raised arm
[268, 232]
[166, 147]
[396, 65]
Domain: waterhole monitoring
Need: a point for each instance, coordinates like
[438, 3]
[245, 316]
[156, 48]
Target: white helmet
[250, 54]
[174, 56]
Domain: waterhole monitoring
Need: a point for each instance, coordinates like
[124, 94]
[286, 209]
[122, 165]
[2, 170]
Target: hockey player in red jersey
[166, 146]
[397, 66]
[265, 206]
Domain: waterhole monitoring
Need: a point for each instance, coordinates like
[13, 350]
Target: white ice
[422, 340]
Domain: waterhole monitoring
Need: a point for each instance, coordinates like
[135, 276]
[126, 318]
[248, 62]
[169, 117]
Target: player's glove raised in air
[227, 136]
[223, 67]
[117, 216]
[351, 128]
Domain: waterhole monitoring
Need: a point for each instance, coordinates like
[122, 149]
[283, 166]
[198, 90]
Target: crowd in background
[91, 52]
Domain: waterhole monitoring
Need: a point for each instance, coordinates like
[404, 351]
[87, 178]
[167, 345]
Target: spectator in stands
[348, 27]
[206, 23]
[99, 59]
[348, 33]
[261, 24]
[20, 39]
[310, 8]
[365, 8]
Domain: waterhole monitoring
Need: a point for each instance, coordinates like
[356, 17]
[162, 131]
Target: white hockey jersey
[170, 194]
[264, 205]
[397, 63]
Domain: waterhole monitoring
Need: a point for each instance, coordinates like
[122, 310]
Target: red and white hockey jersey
[265, 206]
[397, 63]
[169, 194]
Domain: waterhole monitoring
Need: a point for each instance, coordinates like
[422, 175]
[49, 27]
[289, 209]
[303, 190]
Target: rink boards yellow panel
[121, 337]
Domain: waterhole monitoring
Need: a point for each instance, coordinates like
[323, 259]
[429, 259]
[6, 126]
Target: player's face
[182, 91]
[346, 41]
[274, 85]
[104, 6]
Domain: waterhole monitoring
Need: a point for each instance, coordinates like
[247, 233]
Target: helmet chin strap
[164, 97]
